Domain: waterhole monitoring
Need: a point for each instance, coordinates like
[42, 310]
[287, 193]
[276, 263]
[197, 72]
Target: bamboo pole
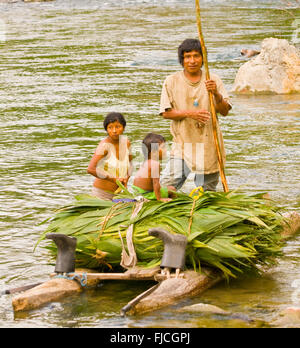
[211, 101]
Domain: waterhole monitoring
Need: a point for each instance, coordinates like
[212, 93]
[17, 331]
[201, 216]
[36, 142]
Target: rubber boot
[66, 246]
[174, 248]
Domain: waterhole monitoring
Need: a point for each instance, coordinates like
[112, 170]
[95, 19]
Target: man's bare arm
[177, 115]
[222, 106]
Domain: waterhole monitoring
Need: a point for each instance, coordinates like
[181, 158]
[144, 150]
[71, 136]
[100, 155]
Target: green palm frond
[229, 231]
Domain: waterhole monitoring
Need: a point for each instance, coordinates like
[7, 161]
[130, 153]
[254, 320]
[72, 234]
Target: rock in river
[289, 318]
[204, 308]
[275, 70]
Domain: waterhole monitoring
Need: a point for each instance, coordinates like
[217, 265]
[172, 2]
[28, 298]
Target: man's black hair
[113, 117]
[188, 45]
[151, 142]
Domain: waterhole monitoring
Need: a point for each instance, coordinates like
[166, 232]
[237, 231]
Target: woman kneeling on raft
[111, 161]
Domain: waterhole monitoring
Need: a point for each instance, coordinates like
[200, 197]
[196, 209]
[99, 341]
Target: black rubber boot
[66, 246]
[174, 248]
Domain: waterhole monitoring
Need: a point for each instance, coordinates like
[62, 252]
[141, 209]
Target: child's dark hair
[188, 45]
[151, 143]
[113, 117]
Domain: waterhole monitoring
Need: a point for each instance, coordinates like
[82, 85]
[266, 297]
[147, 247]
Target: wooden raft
[168, 291]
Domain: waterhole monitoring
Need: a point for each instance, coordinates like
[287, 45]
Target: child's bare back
[149, 170]
[147, 178]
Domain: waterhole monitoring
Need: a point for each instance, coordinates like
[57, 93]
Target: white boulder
[275, 70]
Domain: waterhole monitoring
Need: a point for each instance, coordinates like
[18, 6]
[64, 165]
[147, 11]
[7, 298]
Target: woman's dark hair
[151, 142]
[188, 45]
[113, 117]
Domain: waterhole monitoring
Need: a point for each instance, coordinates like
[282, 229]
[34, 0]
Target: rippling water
[63, 66]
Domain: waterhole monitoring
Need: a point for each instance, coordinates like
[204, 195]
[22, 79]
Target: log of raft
[168, 292]
[50, 291]
[173, 290]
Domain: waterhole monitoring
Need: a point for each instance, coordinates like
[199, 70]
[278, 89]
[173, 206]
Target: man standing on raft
[185, 101]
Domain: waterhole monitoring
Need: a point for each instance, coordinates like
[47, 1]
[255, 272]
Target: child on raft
[112, 158]
[147, 179]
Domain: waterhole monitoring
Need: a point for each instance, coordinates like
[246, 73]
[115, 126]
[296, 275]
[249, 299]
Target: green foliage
[229, 231]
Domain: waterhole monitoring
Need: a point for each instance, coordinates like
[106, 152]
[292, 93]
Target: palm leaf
[229, 231]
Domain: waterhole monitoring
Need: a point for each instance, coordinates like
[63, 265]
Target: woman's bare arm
[97, 173]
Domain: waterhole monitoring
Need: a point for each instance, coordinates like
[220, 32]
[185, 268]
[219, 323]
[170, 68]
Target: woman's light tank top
[111, 165]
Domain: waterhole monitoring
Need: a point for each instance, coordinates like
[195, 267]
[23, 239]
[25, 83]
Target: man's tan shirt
[190, 137]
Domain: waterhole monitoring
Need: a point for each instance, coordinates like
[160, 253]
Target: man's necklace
[195, 96]
[196, 92]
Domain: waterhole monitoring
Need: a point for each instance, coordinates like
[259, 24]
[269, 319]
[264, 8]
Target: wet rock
[236, 319]
[275, 70]
[248, 53]
[289, 318]
[204, 308]
[242, 317]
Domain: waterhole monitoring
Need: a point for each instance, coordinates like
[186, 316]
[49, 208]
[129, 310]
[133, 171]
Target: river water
[63, 66]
